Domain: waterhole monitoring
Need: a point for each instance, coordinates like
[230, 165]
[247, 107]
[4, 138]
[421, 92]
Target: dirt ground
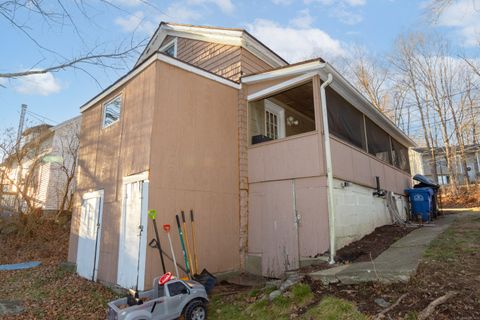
[367, 248]
[373, 244]
[51, 290]
[452, 263]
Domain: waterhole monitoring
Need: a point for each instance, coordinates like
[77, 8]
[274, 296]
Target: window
[170, 48]
[177, 288]
[271, 125]
[111, 111]
[443, 179]
[274, 122]
[344, 121]
[161, 291]
[400, 156]
[284, 114]
[378, 141]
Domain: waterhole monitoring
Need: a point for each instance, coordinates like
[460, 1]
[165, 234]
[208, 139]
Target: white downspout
[328, 162]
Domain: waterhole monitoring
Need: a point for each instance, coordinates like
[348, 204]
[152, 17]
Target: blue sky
[296, 29]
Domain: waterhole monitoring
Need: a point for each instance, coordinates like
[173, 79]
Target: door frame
[143, 176]
[87, 196]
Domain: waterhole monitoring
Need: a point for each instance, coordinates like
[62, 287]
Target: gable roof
[227, 36]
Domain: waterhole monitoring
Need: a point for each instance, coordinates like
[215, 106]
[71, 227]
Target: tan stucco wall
[194, 165]
[109, 154]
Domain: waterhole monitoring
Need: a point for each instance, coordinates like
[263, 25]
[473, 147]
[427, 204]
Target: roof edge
[229, 36]
[155, 57]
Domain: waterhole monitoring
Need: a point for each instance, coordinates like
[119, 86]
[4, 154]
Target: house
[211, 119]
[41, 173]
[422, 163]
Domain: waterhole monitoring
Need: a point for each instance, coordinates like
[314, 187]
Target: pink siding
[277, 234]
[311, 203]
[293, 157]
[351, 164]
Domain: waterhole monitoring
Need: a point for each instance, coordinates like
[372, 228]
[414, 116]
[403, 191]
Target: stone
[382, 303]
[291, 280]
[273, 283]
[274, 294]
[11, 307]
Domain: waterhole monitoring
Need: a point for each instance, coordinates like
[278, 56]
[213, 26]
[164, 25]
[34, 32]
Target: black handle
[183, 216]
[191, 215]
[178, 220]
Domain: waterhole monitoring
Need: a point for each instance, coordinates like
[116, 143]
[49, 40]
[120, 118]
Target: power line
[36, 115]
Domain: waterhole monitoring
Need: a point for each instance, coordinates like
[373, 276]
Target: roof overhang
[309, 69]
[234, 37]
[157, 57]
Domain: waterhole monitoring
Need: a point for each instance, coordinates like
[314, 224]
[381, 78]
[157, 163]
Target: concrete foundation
[358, 212]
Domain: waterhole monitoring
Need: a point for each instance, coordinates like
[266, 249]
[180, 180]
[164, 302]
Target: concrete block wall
[358, 212]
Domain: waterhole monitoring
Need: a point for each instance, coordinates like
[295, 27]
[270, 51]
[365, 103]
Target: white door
[133, 232]
[89, 235]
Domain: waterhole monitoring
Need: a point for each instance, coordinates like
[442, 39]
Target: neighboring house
[41, 174]
[422, 163]
[211, 119]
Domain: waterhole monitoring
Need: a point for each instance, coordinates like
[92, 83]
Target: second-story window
[111, 111]
[170, 48]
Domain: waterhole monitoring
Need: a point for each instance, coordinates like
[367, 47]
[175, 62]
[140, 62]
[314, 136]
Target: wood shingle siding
[227, 61]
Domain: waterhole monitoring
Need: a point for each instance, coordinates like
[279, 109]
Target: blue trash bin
[421, 201]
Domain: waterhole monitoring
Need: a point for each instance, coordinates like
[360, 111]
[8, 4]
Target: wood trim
[281, 86]
[283, 72]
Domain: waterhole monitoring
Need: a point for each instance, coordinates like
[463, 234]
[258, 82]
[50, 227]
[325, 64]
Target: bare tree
[64, 15]
[406, 64]
[370, 78]
[21, 165]
[65, 154]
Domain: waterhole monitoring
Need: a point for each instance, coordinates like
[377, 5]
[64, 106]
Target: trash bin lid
[426, 181]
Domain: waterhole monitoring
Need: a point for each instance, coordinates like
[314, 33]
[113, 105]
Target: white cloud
[136, 22]
[282, 2]
[129, 3]
[345, 11]
[38, 84]
[463, 16]
[144, 23]
[180, 13]
[296, 44]
[346, 16]
[225, 5]
[303, 19]
[355, 3]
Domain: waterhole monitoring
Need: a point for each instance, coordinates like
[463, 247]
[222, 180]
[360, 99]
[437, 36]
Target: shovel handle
[191, 215]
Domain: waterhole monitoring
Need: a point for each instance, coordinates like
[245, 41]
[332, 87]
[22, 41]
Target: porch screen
[378, 141]
[344, 121]
[400, 156]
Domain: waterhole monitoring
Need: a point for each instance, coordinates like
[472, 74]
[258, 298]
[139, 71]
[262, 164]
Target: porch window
[344, 121]
[378, 141]
[281, 115]
[400, 156]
